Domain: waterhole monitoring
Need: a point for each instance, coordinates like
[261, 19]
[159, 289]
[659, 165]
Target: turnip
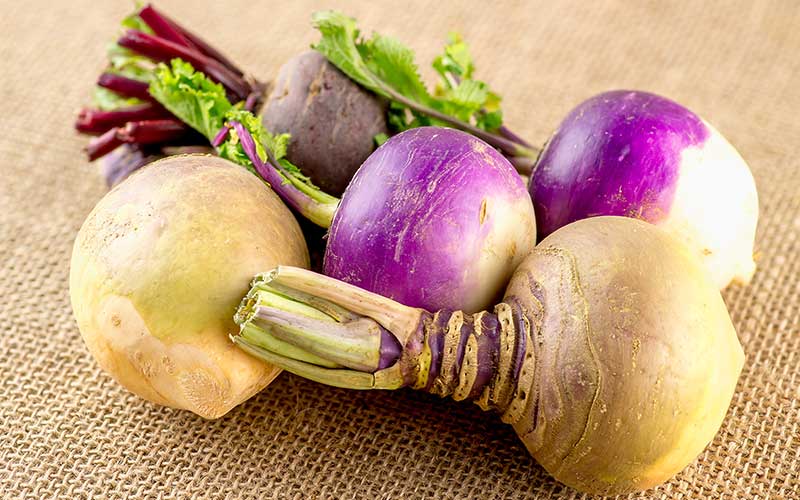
[434, 218]
[158, 269]
[612, 355]
[640, 155]
[332, 121]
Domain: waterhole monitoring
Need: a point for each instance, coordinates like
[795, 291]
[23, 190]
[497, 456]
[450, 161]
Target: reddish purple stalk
[269, 172]
[163, 28]
[162, 50]
[139, 132]
[125, 86]
[195, 41]
[93, 121]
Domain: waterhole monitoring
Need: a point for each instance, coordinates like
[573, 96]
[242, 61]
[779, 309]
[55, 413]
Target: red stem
[101, 146]
[125, 86]
[162, 28]
[159, 49]
[138, 132]
[200, 44]
[93, 121]
[152, 131]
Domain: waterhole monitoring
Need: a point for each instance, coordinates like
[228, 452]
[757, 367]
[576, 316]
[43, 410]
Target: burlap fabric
[68, 431]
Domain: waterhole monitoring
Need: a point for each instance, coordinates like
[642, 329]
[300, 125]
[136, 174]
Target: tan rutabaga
[158, 269]
[612, 354]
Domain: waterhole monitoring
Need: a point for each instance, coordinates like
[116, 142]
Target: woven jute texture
[68, 431]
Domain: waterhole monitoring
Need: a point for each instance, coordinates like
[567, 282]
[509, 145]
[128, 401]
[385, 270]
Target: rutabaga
[612, 354]
[158, 268]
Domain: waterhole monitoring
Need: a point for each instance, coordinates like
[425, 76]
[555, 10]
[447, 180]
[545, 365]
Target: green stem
[508, 146]
[346, 379]
[336, 336]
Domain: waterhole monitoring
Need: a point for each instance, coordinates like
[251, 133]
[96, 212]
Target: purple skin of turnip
[434, 218]
[640, 155]
[612, 354]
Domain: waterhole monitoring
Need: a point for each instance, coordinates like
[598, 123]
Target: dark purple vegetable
[640, 155]
[332, 121]
[612, 354]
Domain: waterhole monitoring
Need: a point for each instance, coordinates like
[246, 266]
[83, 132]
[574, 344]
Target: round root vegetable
[435, 218]
[639, 155]
[158, 269]
[612, 355]
[332, 120]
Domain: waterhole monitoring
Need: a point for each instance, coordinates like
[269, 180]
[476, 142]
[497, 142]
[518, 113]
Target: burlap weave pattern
[68, 431]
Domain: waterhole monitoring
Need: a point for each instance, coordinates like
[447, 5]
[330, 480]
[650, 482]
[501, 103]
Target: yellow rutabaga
[158, 269]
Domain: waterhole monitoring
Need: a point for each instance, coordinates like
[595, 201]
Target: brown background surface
[68, 431]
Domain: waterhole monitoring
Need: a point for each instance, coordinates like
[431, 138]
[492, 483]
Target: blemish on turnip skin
[483, 211]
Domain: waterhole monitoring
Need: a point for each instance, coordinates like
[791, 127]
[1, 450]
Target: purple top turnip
[640, 155]
[434, 218]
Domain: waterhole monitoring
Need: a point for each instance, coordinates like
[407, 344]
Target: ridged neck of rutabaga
[485, 357]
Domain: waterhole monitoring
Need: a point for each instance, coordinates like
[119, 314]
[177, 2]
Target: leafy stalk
[387, 67]
[239, 136]
[128, 112]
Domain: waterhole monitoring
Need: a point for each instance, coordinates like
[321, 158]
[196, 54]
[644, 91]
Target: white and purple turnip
[434, 218]
[639, 155]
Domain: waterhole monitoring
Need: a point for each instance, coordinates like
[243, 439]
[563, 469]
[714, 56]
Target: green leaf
[393, 63]
[269, 146]
[490, 121]
[127, 63]
[387, 67]
[108, 100]
[134, 22]
[380, 139]
[339, 44]
[191, 96]
[456, 59]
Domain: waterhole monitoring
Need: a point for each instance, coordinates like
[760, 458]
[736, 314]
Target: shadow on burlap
[69, 431]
